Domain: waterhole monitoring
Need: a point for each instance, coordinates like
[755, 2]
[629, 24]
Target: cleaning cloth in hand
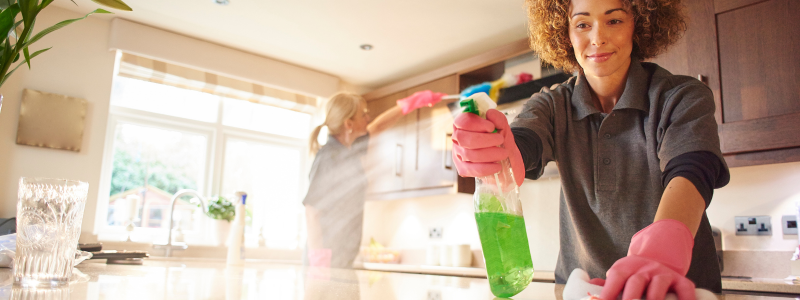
[578, 287]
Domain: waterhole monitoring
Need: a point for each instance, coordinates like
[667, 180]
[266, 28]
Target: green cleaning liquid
[505, 248]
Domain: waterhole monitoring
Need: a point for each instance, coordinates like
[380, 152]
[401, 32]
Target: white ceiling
[409, 36]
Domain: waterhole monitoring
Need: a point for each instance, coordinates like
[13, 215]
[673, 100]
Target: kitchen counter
[212, 279]
[538, 276]
[763, 285]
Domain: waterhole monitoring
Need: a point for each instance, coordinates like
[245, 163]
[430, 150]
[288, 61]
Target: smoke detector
[221, 2]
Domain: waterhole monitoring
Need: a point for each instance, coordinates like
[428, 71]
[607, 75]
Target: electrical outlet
[434, 295]
[753, 225]
[789, 224]
[435, 233]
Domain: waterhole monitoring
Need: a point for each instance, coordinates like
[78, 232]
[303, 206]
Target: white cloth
[579, 288]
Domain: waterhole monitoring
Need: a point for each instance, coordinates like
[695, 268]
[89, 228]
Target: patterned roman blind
[142, 68]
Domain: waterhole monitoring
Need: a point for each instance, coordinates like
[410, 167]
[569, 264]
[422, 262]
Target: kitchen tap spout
[180, 246]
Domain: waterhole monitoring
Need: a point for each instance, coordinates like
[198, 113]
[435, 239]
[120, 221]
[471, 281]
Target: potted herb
[17, 18]
[222, 211]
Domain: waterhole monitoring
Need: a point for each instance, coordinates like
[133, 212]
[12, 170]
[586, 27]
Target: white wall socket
[789, 224]
[753, 225]
[435, 233]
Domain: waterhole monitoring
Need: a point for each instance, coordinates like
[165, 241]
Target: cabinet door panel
[721, 6]
[761, 134]
[758, 65]
[432, 165]
[696, 53]
[760, 75]
[383, 163]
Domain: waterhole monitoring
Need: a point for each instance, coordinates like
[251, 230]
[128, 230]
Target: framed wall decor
[51, 121]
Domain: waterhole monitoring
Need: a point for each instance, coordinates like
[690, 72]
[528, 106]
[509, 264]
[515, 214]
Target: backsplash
[759, 190]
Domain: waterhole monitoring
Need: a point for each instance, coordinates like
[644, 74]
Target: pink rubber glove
[419, 99]
[478, 150]
[319, 258]
[658, 259]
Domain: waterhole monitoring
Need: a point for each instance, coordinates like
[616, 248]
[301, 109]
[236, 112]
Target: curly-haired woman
[636, 146]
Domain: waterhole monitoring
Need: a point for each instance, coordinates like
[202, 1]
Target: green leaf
[4, 54]
[61, 25]
[16, 58]
[29, 9]
[7, 3]
[118, 4]
[7, 19]
[35, 54]
[27, 57]
[13, 31]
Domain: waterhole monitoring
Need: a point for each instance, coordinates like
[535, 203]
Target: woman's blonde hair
[341, 107]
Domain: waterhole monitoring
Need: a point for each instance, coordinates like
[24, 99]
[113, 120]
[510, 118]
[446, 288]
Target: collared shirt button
[607, 161]
[608, 136]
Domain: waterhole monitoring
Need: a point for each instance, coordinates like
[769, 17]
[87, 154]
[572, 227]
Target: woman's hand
[319, 258]
[658, 260]
[478, 149]
[419, 99]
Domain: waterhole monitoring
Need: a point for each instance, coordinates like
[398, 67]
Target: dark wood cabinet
[745, 50]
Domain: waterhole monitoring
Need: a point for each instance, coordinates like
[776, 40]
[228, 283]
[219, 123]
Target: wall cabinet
[387, 150]
[413, 158]
[745, 51]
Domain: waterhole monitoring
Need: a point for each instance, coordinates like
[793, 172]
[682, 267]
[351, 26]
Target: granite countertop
[212, 279]
[764, 285]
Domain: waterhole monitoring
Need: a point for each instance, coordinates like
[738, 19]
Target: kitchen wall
[81, 65]
[759, 190]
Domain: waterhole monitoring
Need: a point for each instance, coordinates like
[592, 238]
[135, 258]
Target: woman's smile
[600, 57]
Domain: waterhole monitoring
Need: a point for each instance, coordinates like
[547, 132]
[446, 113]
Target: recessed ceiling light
[366, 47]
[221, 2]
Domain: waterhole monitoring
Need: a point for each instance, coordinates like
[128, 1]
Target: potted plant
[17, 18]
[222, 211]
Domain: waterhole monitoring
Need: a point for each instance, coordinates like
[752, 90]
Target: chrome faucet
[169, 246]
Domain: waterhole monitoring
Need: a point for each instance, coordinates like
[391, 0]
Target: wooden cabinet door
[387, 151]
[431, 164]
[696, 53]
[745, 51]
[759, 74]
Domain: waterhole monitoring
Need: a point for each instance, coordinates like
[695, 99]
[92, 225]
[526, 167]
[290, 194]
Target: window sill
[210, 252]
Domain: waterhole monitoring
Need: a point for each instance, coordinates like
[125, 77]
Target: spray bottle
[498, 213]
[236, 235]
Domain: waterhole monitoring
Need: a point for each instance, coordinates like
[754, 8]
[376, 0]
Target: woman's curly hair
[659, 24]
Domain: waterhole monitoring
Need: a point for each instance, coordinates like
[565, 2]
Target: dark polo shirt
[611, 164]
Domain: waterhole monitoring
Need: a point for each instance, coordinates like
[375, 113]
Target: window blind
[142, 68]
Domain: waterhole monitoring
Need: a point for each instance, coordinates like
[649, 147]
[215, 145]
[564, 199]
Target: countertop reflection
[208, 279]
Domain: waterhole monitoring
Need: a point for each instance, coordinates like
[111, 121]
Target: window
[162, 139]
[269, 175]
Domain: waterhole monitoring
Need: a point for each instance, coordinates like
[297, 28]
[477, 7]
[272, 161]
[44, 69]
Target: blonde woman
[335, 199]
[637, 147]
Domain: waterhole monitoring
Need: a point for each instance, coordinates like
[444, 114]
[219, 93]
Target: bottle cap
[241, 197]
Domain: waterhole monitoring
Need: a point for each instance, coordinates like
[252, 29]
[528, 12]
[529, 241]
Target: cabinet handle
[398, 160]
[447, 160]
[702, 78]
